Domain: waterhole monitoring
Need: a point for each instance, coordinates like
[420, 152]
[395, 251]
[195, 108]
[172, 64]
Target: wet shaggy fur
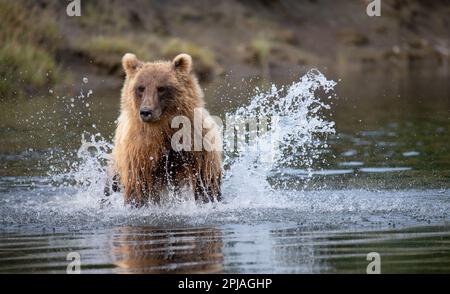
[144, 161]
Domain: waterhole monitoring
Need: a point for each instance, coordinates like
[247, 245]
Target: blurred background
[385, 172]
[42, 47]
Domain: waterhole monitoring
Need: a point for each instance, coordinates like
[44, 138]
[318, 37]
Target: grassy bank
[27, 53]
[106, 51]
[40, 46]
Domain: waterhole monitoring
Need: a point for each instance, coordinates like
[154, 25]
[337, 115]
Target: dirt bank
[240, 38]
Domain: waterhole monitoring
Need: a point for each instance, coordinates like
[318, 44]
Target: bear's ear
[130, 63]
[182, 63]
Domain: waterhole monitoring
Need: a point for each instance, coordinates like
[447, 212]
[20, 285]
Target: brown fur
[143, 157]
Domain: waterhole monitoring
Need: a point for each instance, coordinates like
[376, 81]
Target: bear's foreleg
[208, 173]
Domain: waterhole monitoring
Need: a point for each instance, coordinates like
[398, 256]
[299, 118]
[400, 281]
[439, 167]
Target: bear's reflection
[151, 250]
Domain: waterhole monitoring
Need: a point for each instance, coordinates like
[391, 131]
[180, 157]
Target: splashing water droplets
[298, 131]
[298, 134]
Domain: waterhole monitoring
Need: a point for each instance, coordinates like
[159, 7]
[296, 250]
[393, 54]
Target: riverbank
[43, 48]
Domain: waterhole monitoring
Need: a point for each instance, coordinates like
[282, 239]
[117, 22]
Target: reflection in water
[228, 249]
[150, 250]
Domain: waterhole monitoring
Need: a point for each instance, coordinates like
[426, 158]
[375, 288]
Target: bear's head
[157, 90]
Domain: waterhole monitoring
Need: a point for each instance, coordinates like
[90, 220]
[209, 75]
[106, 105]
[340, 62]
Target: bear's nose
[145, 113]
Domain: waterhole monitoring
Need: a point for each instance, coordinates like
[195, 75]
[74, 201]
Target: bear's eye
[141, 89]
[161, 90]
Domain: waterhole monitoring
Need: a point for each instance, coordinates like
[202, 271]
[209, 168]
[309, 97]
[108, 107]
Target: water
[363, 166]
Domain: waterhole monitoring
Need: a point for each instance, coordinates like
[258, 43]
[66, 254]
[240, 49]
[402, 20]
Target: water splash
[301, 130]
[75, 197]
[297, 138]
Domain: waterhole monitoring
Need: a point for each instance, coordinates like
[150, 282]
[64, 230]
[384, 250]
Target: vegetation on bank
[40, 46]
[27, 50]
[106, 52]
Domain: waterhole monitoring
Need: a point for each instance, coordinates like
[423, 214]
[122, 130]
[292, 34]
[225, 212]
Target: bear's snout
[149, 115]
[146, 114]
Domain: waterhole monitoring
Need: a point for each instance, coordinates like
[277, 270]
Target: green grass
[204, 59]
[24, 67]
[102, 15]
[107, 51]
[27, 47]
[27, 25]
[260, 50]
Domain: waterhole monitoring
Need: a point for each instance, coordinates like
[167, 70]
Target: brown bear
[144, 160]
